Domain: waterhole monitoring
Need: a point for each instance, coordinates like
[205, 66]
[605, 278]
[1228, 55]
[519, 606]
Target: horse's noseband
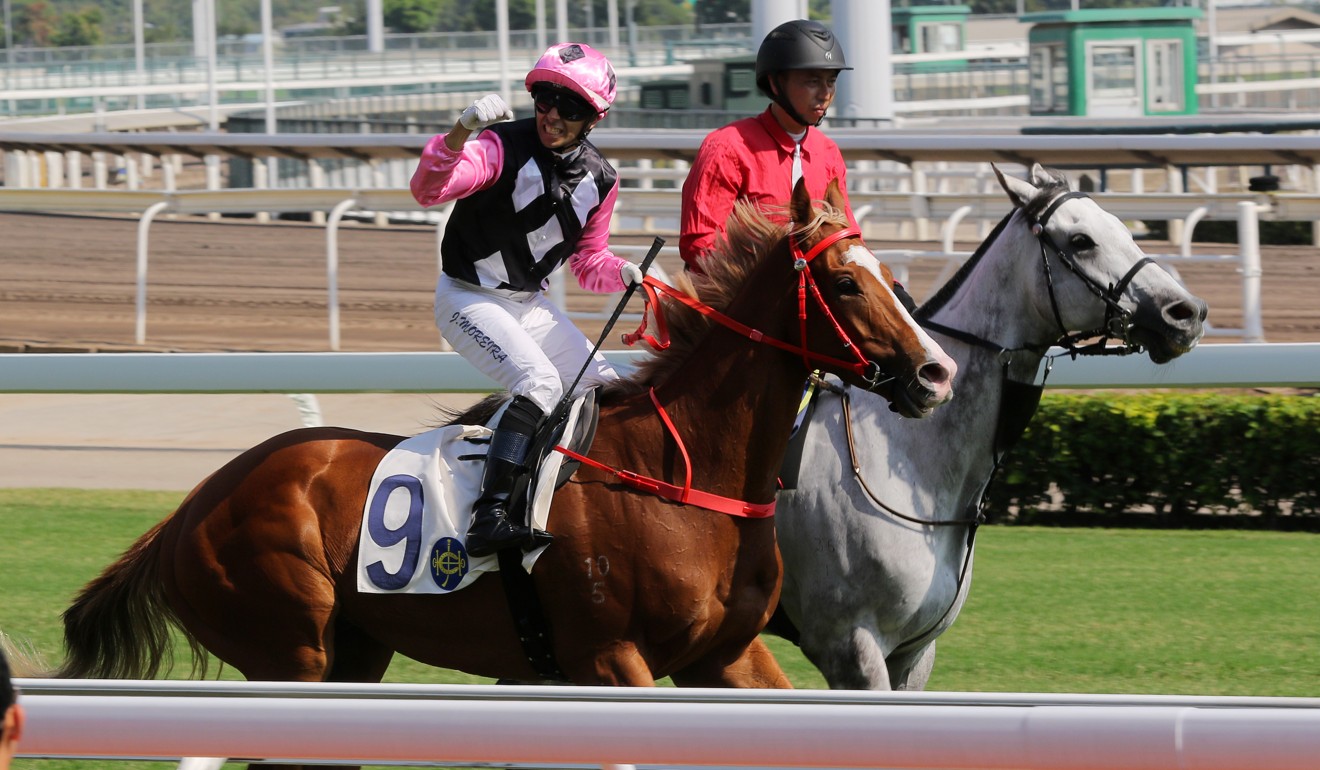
[1118, 321]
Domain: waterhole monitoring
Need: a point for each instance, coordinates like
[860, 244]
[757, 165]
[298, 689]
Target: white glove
[630, 273]
[485, 111]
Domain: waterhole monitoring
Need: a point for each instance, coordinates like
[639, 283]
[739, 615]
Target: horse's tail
[119, 626]
[24, 660]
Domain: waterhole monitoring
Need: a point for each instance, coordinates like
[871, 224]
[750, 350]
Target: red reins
[806, 283]
[684, 494]
[654, 288]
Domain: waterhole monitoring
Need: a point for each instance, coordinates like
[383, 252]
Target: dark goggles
[570, 105]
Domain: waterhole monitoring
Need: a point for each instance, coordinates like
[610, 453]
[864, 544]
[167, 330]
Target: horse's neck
[733, 402]
[995, 301]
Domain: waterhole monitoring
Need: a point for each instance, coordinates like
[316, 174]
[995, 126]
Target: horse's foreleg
[756, 667]
[620, 666]
[852, 662]
[911, 672]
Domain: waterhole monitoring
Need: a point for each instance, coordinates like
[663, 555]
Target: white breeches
[518, 339]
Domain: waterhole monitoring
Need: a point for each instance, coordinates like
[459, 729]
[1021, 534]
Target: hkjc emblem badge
[449, 563]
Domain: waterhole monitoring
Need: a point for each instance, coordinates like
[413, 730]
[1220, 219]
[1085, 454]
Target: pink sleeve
[444, 175]
[594, 265]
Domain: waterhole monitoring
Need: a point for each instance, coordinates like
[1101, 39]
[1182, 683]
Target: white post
[316, 179]
[144, 225]
[863, 30]
[375, 26]
[381, 218]
[1212, 50]
[612, 21]
[212, 177]
[131, 180]
[502, 39]
[561, 21]
[169, 174]
[212, 94]
[1175, 186]
[332, 266]
[73, 169]
[139, 52]
[1249, 244]
[99, 171]
[919, 188]
[260, 182]
[768, 14]
[540, 27]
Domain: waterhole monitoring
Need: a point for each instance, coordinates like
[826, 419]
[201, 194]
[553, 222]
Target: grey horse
[878, 536]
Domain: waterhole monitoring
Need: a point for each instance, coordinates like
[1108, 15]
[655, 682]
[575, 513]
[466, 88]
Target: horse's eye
[1081, 242]
[847, 286]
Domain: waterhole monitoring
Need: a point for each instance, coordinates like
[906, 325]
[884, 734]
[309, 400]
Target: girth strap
[529, 616]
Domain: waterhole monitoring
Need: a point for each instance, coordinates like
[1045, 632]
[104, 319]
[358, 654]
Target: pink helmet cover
[579, 68]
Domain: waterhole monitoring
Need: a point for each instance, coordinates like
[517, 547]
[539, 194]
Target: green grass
[1051, 610]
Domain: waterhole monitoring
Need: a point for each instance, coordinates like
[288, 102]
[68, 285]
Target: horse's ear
[834, 195]
[1044, 177]
[1020, 191]
[800, 204]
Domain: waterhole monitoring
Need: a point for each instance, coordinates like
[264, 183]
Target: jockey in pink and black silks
[530, 195]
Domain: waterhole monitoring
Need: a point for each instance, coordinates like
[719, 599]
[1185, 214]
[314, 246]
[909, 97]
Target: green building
[931, 29]
[1113, 62]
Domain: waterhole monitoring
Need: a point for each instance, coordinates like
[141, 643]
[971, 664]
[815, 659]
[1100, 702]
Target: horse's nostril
[934, 374]
[1181, 311]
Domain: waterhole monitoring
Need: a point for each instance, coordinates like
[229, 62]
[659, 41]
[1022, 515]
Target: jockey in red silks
[531, 195]
[761, 158]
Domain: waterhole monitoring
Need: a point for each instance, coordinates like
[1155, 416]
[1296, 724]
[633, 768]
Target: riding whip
[567, 398]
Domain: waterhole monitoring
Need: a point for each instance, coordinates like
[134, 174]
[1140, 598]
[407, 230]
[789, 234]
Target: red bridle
[806, 284]
[686, 494]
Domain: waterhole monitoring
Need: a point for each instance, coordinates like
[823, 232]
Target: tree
[411, 15]
[35, 23]
[81, 27]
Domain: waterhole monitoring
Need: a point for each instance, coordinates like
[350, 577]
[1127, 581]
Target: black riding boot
[492, 528]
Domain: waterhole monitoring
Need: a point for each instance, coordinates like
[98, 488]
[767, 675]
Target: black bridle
[1117, 324]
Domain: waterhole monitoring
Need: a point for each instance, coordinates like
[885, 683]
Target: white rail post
[1249, 246]
[144, 225]
[1175, 186]
[260, 181]
[332, 266]
[73, 169]
[316, 178]
[919, 188]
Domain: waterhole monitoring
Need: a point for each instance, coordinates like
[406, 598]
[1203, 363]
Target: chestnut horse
[258, 563]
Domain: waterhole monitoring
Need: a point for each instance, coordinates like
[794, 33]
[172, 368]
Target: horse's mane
[1037, 205]
[751, 234]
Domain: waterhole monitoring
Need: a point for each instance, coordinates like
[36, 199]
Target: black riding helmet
[796, 45]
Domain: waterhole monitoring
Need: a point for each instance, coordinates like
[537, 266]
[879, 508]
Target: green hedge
[1185, 459]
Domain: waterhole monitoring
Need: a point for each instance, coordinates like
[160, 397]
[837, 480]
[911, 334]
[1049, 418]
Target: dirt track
[68, 283]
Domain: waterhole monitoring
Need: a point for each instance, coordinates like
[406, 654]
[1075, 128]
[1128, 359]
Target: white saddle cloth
[419, 506]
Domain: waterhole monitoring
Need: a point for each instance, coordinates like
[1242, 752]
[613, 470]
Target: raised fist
[485, 111]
